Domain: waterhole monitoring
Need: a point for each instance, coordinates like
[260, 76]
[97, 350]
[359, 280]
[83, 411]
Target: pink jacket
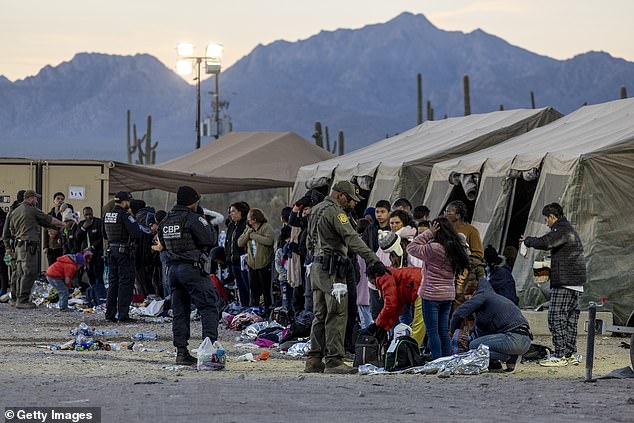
[438, 280]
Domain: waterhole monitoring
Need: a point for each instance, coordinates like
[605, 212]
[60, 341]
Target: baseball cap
[30, 193]
[348, 188]
[122, 196]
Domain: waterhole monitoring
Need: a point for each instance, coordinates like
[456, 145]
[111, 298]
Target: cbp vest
[114, 226]
[177, 238]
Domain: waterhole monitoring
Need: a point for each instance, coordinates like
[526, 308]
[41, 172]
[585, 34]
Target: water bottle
[83, 329]
[107, 333]
[114, 346]
[222, 238]
[151, 336]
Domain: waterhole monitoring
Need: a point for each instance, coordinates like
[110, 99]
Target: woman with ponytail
[443, 254]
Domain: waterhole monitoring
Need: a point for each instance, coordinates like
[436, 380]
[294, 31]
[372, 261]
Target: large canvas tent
[401, 165]
[273, 156]
[585, 161]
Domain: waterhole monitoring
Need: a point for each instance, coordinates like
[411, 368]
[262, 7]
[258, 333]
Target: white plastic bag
[211, 356]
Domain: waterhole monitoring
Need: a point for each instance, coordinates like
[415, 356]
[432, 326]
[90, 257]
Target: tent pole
[507, 217]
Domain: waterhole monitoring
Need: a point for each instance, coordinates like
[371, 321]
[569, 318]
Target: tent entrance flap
[519, 205]
[465, 189]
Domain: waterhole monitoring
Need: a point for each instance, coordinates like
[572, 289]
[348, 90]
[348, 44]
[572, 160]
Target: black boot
[184, 357]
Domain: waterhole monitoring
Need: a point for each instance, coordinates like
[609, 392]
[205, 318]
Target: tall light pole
[184, 66]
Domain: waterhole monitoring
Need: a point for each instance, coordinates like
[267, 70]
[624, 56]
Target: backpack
[281, 316]
[367, 350]
[403, 354]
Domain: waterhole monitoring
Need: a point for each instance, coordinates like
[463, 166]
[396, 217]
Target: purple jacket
[438, 277]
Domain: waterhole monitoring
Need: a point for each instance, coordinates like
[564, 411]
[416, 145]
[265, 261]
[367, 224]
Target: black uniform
[119, 229]
[186, 235]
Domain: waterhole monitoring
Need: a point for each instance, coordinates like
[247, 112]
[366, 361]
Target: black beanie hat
[186, 196]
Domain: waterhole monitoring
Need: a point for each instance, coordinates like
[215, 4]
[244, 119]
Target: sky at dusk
[36, 33]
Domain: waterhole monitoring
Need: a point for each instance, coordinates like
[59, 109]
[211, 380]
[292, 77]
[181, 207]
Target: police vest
[177, 238]
[114, 226]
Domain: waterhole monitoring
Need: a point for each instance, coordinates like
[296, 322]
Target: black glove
[377, 269]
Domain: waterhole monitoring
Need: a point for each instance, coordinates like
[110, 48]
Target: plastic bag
[211, 356]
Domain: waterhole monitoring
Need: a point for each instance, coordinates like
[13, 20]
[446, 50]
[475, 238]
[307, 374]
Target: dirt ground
[141, 386]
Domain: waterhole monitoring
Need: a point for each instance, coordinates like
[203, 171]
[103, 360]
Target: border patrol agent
[330, 237]
[120, 228]
[24, 228]
[186, 235]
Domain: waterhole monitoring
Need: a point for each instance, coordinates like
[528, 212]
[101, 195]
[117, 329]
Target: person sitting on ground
[398, 288]
[61, 273]
[499, 324]
[500, 275]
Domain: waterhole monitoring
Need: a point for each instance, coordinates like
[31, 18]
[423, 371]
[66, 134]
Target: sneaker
[510, 365]
[495, 366]
[554, 362]
[5, 298]
[574, 359]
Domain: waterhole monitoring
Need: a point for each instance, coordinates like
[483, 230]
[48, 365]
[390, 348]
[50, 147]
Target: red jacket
[398, 289]
[64, 268]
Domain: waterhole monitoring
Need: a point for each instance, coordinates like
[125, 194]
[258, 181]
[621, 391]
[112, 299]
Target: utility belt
[32, 246]
[333, 264]
[523, 330]
[119, 247]
[195, 264]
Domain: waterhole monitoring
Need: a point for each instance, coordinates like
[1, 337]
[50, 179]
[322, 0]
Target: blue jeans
[436, 317]
[242, 282]
[62, 290]
[503, 345]
[365, 316]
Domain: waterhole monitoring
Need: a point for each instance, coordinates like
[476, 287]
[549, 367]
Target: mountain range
[361, 81]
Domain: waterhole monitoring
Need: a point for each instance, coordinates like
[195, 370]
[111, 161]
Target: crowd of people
[352, 270]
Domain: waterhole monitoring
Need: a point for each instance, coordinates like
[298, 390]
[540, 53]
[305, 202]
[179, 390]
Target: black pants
[4, 272]
[53, 254]
[260, 284]
[188, 285]
[121, 285]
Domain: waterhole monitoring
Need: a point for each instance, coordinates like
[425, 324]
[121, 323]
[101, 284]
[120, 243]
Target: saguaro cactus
[623, 92]
[467, 96]
[146, 154]
[532, 100]
[430, 115]
[318, 136]
[340, 141]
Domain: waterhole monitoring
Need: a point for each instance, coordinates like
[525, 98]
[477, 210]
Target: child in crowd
[281, 267]
[60, 274]
[363, 290]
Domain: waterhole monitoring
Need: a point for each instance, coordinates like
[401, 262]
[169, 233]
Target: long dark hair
[452, 243]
